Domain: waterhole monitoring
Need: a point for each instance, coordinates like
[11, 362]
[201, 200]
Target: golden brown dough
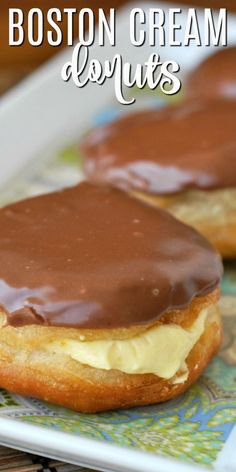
[212, 213]
[27, 368]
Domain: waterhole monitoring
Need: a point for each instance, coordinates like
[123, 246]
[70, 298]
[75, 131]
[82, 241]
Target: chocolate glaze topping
[215, 76]
[93, 257]
[166, 151]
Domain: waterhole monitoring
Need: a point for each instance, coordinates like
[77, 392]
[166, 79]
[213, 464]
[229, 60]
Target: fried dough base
[27, 368]
[212, 213]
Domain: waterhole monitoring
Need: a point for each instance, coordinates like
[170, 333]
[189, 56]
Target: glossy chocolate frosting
[93, 257]
[214, 77]
[166, 151]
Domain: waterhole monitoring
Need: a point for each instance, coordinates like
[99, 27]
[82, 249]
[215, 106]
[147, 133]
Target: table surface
[17, 461]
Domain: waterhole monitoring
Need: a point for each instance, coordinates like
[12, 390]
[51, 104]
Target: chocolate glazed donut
[215, 77]
[180, 158]
[105, 301]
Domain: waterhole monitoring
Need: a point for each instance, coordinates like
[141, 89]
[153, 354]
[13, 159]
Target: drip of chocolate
[192, 146]
[93, 257]
[215, 76]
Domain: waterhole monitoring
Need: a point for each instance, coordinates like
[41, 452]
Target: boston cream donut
[181, 158]
[215, 77]
[105, 302]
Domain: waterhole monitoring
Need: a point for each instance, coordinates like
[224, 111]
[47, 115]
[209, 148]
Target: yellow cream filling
[161, 350]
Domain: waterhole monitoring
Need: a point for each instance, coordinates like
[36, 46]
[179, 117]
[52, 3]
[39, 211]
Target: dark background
[17, 62]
